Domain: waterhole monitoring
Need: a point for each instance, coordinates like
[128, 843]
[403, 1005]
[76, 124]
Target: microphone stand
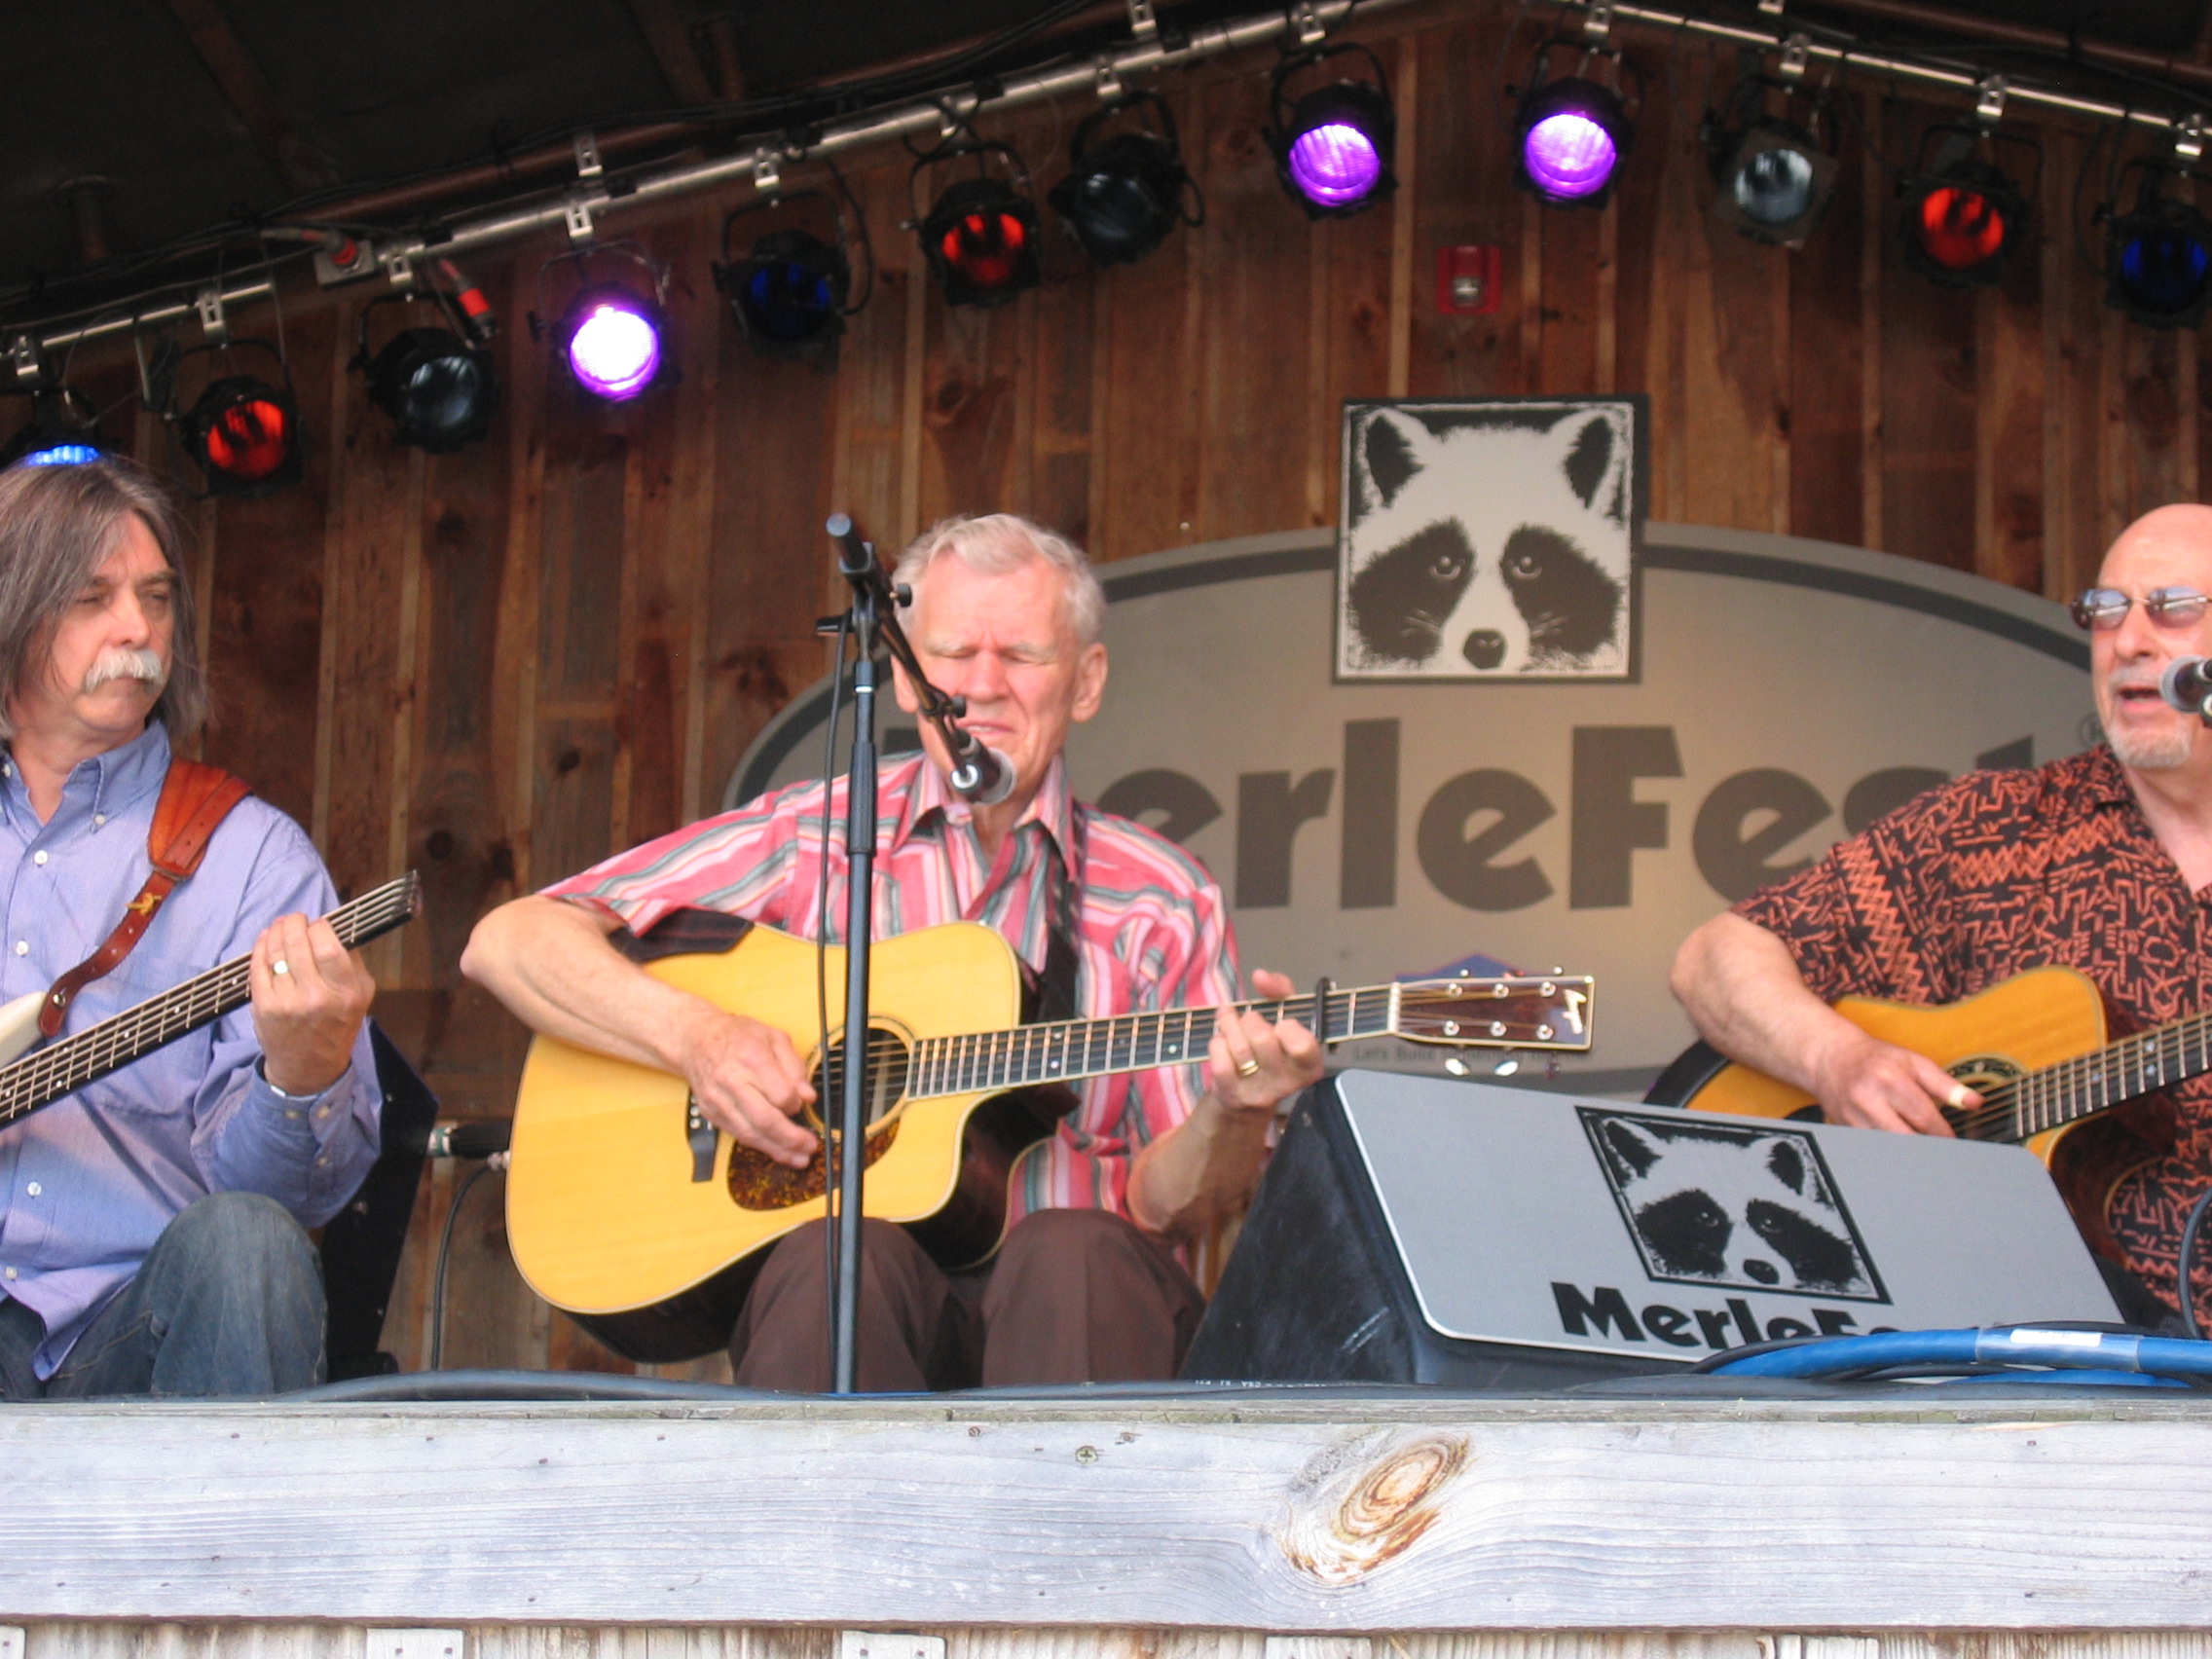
[975, 770]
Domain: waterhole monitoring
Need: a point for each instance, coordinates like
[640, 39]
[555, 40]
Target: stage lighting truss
[244, 432]
[1775, 175]
[63, 431]
[1124, 192]
[612, 335]
[2158, 254]
[436, 383]
[981, 238]
[792, 294]
[1572, 131]
[1965, 215]
[1333, 145]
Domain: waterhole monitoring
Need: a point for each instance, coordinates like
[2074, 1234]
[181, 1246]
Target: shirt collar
[1053, 809]
[2104, 779]
[103, 785]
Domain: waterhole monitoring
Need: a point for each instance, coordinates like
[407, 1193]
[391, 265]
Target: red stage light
[985, 249]
[249, 440]
[245, 436]
[980, 239]
[1961, 228]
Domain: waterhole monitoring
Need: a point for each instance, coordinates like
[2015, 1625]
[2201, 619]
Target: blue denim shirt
[88, 1183]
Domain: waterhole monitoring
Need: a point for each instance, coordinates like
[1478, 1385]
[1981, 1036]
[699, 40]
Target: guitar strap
[194, 799]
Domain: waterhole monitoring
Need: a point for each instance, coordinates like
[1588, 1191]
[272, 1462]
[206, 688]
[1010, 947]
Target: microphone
[854, 556]
[985, 778]
[2186, 685]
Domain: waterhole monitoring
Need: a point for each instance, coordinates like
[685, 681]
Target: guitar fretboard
[47, 1074]
[986, 1061]
[2059, 1094]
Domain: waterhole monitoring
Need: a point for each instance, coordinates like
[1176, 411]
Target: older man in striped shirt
[1091, 1283]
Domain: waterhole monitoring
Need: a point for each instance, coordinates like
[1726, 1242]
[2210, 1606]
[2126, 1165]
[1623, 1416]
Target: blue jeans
[229, 1301]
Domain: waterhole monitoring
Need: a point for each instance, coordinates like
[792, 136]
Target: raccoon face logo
[1731, 1204]
[1496, 550]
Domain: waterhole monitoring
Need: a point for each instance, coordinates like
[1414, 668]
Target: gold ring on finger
[1247, 1067]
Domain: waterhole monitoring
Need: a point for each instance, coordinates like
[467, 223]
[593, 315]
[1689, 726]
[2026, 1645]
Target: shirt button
[23, 947]
[99, 817]
[39, 857]
[11, 1273]
[322, 1164]
[33, 1189]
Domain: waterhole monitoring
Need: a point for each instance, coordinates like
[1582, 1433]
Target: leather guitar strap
[194, 799]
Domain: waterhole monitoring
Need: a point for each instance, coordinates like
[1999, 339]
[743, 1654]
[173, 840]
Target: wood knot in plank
[1366, 1501]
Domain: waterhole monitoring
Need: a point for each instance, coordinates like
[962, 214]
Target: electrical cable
[439, 1275]
[2185, 1265]
[2048, 1349]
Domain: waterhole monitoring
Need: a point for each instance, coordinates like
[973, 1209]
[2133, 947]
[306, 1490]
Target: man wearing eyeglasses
[2102, 861]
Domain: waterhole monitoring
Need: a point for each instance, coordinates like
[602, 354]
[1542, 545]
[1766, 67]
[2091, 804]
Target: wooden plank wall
[502, 664]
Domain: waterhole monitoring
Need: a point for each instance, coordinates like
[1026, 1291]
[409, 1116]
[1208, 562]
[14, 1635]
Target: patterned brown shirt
[2000, 872]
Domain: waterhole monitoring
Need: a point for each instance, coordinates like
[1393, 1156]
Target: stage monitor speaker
[1317, 1288]
[1411, 1230]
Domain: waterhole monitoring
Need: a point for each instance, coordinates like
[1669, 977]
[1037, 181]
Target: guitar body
[2019, 1025]
[617, 1212]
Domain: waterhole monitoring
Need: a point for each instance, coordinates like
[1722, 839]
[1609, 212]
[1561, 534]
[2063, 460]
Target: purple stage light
[1571, 135]
[1334, 163]
[1570, 156]
[613, 345]
[1333, 147]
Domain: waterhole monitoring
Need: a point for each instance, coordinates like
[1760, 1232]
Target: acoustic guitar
[630, 1211]
[2035, 1047]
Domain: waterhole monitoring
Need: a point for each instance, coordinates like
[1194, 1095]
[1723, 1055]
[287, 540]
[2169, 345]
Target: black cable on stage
[2185, 1265]
[438, 1276]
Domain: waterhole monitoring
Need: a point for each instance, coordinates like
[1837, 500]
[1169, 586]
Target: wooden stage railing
[1397, 1527]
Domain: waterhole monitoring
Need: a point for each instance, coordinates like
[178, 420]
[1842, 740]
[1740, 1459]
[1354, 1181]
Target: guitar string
[46, 1074]
[975, 1062]
[2073, 1089]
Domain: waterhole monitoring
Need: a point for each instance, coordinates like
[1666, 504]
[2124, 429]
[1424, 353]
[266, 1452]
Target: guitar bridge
[702, 1137]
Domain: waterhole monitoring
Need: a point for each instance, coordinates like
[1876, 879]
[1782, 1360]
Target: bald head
[2168, 538]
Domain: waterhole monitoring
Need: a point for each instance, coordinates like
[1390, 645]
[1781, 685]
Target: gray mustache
[126, 662]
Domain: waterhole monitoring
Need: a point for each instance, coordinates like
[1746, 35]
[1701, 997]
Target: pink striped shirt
[1153, 928]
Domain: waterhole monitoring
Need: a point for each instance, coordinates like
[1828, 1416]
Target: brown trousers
[1073, 1296]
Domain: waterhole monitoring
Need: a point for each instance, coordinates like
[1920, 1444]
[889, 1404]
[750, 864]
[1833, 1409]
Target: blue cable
[2020, 1344]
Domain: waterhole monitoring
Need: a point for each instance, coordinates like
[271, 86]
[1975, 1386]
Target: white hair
[997, 545]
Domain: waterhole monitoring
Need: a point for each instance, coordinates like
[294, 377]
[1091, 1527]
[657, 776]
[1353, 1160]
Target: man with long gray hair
[1108, 918]
[151, 1222]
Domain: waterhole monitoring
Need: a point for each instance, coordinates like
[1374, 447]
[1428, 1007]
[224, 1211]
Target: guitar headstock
[1525, 1012]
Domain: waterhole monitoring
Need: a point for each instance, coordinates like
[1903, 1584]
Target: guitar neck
[988, 1061]
[45, 1075]
[2089, 1084]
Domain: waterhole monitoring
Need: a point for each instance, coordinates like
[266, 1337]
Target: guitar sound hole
[888, 1059]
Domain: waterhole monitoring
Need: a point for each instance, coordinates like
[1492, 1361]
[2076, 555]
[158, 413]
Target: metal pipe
[2016, 91]
[2000, 33]
[109, 325]
[898, 122]
[584, 206]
